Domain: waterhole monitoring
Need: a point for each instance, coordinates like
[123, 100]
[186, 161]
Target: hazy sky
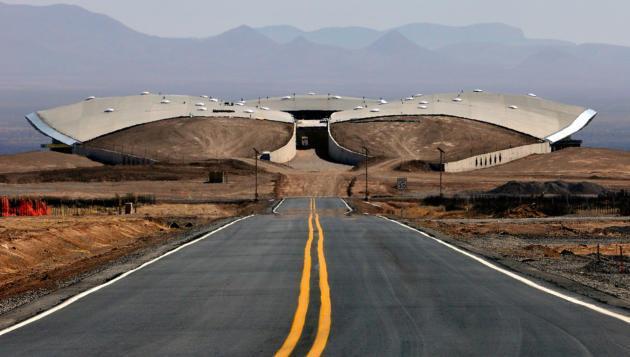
[575, 20]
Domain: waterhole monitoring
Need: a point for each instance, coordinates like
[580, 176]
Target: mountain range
[53, 55]
[65, 45]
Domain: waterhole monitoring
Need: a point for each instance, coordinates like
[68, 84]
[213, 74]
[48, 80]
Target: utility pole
[256, 153]
[441, 168]
[366, 173]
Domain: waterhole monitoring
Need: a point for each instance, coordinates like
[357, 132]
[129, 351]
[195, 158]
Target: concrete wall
[341, 154]
[110, 157]
[497, 158]
[287, 152]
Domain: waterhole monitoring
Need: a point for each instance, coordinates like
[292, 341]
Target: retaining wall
[340, 154]
[110, 157]
[287, 152]
[497, 158]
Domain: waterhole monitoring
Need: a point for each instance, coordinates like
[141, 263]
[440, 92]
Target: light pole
[256, 153]
[366, 172]
[441, 167]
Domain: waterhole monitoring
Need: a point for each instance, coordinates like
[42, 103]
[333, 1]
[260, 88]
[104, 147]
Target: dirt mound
[541, 250]
[551, 188]
[41, 161]
[523, 211]
[418, 137]
[192, 139]
[414, 166]
[601, 266]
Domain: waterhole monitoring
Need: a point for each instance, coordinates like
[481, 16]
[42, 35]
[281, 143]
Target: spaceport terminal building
[472, 129]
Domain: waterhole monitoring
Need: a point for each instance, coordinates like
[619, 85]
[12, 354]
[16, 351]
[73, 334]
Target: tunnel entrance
[313, 138]
[312, 130]
[311, 114]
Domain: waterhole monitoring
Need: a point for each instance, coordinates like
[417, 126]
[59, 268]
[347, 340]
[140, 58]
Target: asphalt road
[391, 292]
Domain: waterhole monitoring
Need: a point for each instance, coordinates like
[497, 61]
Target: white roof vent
[264, 108]
[422, 107]
[458, 99]
[418, 95]
[110, 110]
[286, 97]
[249, 111]
[311, 93]
[375, 110]
[204, 96]
[513, 107]
[532, 95]
[145, 93]
[336, 97]
[382, 101]
[239, 104]
[478, 90]
[423, 102]
[214, 100]
[90, 98]
[358, 107]
[200, 104]
[165, 101]
[408, 99]
[202, 109]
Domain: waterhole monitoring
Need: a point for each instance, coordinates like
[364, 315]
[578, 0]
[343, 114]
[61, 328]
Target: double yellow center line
[299, 319]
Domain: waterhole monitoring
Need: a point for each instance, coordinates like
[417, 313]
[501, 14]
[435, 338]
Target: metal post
[366, 173]
[441, 168]
[598, 256]
[256, 175]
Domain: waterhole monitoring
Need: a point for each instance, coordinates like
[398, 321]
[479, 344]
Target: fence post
[598, 257]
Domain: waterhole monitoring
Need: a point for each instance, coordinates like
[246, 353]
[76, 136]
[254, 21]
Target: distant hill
[52, 55]
[64, 45]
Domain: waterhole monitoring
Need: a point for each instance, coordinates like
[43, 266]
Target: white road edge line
[275, 209]
[122, 276]
[347, 205]
[521, 279]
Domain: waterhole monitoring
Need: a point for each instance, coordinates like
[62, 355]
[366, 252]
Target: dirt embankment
[46, 252]
[157, 172]
[593, 163]
[164, 182]
[417, 138]
[191, 139]
[43, 161]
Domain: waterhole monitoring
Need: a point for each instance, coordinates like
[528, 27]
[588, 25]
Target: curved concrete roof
[530, 115]
[321, 102]
[89, 119]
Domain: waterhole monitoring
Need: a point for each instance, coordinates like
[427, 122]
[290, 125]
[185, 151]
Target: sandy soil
[417, 138]
[310, 175]
[190, 139]
[308, 160]
[43, 160]
[572, 162]
[31, 249]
